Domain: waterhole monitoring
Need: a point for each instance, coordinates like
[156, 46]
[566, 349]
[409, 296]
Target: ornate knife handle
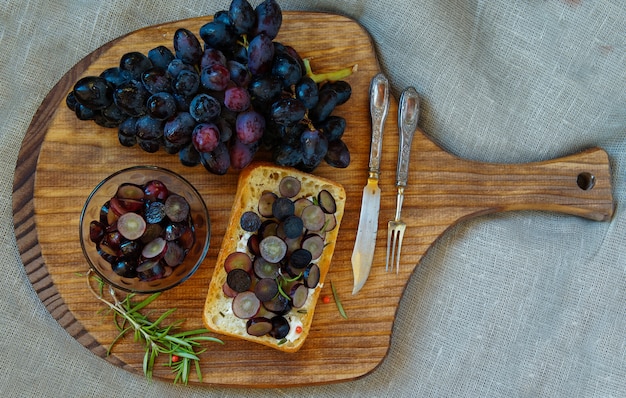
[379, 105]
[408, 114]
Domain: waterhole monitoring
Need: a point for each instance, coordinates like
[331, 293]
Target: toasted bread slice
[218, 313]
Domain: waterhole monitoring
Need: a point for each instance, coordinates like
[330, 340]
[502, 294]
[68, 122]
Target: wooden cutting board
[62, 159]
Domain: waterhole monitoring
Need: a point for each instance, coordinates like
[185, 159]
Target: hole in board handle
[585, 181]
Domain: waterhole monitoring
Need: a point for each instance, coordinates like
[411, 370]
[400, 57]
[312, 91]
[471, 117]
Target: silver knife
[363, 252]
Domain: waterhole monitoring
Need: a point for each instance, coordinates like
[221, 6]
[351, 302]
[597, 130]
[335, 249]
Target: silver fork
[408, 114]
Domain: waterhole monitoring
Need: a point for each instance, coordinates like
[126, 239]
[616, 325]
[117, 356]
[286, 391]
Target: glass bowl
[101, 261]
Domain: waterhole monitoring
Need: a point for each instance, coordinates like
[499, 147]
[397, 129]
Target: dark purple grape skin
[114, 114]
[128, 127]
[242, 16]
[287, 111]
[260, 54]
[264, 90]
[156, 80]
[218, 161]
[280, 328]
[250, 126]
[178, 129]
[135, 63]
[84, 113]
[215, 77]
[125, 140]
[314, 147]
[333, 127]
[217, 34]
[149, 128]
[93, 92]
[205, 137]
[239, 73]
[70, 101]
[307, 92]
[131, 98]
[160, 56]
[222, 16]
[237, 99]
[178, 65]
[287, 69]
[241, 154]
[325, 105]
[150, 146]
[161, 106]
[187, 83]
[204, 108]
[187, 47]
[269, 18]
[116, 76]
[212, 56]
[189, 156]
[338, 154]
[342, 88]
[287, 155]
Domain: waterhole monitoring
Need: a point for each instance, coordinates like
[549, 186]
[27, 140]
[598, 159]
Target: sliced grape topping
[277, 266]
[143, 231]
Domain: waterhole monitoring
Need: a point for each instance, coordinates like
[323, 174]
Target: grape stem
[328, 76]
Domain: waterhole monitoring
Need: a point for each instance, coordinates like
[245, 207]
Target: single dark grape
[160, 56]
[150, 146]
[189, 156]
[212, 56]
[314, 147]
[187, 83]
[178, 65]
[215, 77]
[217, 34]
[187, 46]
[242, 16]
[149, 128]
[307, 92]
[114, 114]
[70, 101]
[205, 137]
[128, 127]
[333, 127]
[217, 161]
[226, 128]
[287, 69]
[156, 80]
[204, 108]
[239, 73]
[269, 18]
[178, 129]
[260, 54]
[126, 140]
[222, 16]
[264, 91]
[250, 126]
[238, 53]
[170, 148]
[338, 154]
[102, 120]
[237, 99]
[135, 63]
[342, 88]
[93, 92]
[161, 106]
[325, 105]
[116, 76]
[84, 113]
[242, 154]
[131, 97]
[250, 221]
[287, 111]
[287, 155]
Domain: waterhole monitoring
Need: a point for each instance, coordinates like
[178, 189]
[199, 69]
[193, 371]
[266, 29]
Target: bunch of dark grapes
[218, 99]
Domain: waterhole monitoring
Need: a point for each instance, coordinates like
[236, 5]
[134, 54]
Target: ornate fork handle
[407, 122]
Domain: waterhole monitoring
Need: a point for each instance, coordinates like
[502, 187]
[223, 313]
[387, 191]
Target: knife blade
[365, 244]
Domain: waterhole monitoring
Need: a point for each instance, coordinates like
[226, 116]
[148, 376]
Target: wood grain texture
[62, 159]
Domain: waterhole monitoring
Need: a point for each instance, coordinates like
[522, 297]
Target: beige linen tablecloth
[511, 305]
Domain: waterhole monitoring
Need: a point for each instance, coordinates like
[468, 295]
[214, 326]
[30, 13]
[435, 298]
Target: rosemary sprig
[342, 312]
[182, 348]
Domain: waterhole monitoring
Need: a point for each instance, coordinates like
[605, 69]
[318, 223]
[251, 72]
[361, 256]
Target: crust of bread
[253, 181]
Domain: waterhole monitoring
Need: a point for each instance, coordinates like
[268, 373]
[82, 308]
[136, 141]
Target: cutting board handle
[578, 184]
